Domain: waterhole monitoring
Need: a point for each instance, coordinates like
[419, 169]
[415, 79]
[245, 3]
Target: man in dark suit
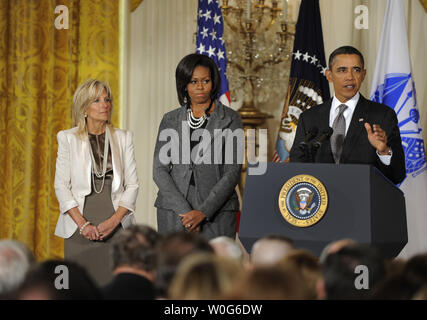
[365, 132]
[134, 261]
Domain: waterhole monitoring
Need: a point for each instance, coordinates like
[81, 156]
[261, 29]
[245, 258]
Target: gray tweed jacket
[215, 183]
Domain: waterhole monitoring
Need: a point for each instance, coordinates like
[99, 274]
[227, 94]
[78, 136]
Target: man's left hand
[377, 138]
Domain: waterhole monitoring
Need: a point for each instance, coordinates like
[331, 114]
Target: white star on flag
[201, 49]
[305, 56]
[204, 33]
[211, 51]
[314, 59]
[220, 54]
[323, 70]
[207, 15]
[297, 55]
[217, 19]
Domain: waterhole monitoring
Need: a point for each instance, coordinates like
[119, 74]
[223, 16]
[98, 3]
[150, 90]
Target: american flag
[210, 42]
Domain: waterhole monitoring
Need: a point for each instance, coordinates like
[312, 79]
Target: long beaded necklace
[195, 123]
[95, 171]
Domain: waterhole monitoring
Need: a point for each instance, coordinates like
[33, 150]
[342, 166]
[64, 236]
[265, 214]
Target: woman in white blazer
[96, 181]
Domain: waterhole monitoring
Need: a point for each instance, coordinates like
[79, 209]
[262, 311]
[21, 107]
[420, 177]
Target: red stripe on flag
[239, 213]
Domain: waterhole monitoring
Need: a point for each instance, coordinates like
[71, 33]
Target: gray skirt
[223, 223]
[94, 256]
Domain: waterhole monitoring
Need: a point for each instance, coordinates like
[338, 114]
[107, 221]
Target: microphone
[310, 135]
[326, 134]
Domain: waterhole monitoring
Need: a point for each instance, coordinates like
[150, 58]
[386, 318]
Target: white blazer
[73, 176]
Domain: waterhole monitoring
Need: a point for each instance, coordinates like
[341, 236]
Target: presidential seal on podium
[303, 200]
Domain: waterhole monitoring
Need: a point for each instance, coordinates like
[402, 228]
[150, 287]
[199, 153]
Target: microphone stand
[316, 143]
[314, 147]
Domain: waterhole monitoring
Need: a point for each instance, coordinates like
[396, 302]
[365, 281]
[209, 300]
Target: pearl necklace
[195, 123]
[99, 174]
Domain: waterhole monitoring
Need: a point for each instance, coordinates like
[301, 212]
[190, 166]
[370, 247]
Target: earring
[85, 116]
[185, 100]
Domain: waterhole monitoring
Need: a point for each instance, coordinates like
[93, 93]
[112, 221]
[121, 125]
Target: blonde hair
[84, 96]
[203, 276]
[302, 262]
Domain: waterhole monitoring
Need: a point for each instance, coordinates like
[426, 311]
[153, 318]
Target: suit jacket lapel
[324, 116]
[216, 121]
[87, 162]
[323, 120]
[115, 157]
[356, 129]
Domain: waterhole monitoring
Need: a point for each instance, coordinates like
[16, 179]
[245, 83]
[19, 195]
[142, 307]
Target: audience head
[335, 246]
[204, 276]
[135, 248]
[171, 250]
[341, 269]
[270, 249]
[270, 283]
[227, 247]
[58, 280]
[394, 266]
[306, 265]
[395, 287]
[405, 280]
[421, 294]
[15, 261]
[416, 269]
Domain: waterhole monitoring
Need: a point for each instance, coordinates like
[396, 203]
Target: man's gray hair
[226, 246]
[135, 247]
[270, 249]
[15, 260]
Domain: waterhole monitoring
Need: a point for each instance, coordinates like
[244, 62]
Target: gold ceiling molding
[134, 4]
[424, 4]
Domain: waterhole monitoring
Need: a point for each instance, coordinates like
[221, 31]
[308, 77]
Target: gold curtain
[40, 68]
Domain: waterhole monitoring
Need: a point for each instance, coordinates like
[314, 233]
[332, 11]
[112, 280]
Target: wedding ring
[189, 225]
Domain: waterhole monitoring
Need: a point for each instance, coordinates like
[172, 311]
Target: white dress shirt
[348, 114]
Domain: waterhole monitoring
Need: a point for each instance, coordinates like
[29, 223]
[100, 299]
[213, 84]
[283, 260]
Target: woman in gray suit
[198, 155]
